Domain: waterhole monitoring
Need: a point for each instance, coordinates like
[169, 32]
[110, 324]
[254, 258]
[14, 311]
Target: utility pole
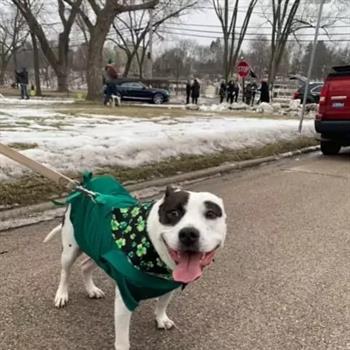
[150, 49]
[311, 64]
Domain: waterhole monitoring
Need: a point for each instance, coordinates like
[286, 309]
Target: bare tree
[67, 15]
[290, 17]
[232, 40]
[132, 29]
[104, 13]
[283, 25]
[12, 36]
[258, 55]
[36, 63]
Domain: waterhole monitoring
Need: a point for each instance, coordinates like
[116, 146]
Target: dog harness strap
[92, 219]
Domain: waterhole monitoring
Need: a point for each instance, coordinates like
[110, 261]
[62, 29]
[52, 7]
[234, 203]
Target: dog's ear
[169, 191]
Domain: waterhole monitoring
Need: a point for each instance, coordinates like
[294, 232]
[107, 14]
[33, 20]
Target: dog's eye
[210, 214]
[173, 214]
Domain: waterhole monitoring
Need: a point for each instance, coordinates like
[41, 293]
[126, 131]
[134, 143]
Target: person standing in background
[230, 91]
[22, 80]
[195, 89]
[248, 94]
[235, 91]
[264, 92]
[110, 77]
[222, 91]
[254, 89]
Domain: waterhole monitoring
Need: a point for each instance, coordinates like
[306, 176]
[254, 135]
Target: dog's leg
[162, 319]
[70, 252]
[87, 268]
[122, 317]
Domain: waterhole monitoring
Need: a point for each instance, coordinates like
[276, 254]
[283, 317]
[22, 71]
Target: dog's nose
[189, 236]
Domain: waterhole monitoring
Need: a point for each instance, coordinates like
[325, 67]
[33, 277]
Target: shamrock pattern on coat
[129, 231]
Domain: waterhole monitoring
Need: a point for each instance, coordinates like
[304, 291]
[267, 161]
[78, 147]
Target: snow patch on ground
[223, 107]
[290, 109]
[88, 142]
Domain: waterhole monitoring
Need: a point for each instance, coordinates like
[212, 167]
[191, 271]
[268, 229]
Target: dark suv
[333, 117]
[137, 91]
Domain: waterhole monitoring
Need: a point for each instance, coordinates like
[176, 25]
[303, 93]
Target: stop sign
[243, 69]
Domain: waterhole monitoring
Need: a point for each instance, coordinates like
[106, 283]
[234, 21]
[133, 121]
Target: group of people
[231, 90]
[192, 91]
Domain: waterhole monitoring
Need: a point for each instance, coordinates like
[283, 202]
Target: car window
[132, 85]
[317, 89]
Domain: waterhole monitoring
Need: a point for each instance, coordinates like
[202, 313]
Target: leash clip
[90, 194]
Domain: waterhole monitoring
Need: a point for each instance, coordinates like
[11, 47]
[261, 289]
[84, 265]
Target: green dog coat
[110, 227]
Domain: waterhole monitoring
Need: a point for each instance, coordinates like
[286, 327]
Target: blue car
[137, 91]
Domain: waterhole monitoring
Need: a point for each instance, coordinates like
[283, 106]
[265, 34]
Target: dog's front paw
[164, 322]
[96, 293]
[61, 298]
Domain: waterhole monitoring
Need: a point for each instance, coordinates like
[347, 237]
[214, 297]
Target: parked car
[313, 95]
[137, 91]
[333, 118]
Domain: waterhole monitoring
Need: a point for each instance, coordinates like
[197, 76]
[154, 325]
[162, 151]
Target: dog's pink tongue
[188, 267]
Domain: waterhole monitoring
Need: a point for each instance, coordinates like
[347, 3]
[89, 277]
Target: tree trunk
[36, 66]
[62, 66]
[128, 65]
[98, 34]
[95, 60]
[15, 58]
[3, 67]
[94, 68]
[2, 76]
[272, 67]
[62, 80]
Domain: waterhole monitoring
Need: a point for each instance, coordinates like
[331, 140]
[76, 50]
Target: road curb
[142, 189]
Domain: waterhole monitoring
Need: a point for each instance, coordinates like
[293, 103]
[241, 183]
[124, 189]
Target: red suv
[333, 117]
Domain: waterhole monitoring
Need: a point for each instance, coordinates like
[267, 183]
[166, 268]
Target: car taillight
[323, 102]
[296, 95]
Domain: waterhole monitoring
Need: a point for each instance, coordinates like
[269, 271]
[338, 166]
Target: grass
[133, 110]
[35, 189]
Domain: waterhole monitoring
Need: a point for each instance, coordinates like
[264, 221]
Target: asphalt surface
[281, 282]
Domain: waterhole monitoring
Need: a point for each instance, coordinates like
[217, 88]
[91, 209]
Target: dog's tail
[53, 233]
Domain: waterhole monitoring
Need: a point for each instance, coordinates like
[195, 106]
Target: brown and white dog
[186, 228]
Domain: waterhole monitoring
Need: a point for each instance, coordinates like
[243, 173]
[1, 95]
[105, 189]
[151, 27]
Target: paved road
[281, 282]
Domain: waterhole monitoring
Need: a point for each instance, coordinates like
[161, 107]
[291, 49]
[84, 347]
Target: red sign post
[243, 69]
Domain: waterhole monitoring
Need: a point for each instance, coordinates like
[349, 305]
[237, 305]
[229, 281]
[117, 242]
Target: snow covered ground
[16, 101]
[74, 143]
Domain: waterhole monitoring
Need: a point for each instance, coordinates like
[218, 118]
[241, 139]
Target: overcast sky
[201, 25]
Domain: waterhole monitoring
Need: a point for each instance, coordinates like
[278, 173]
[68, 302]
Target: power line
[242, 10]
[251, 34]
[255, 27]
[249, 39]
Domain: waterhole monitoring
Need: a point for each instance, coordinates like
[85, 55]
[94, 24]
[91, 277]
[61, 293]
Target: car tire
[158, 99]
[330, 148]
